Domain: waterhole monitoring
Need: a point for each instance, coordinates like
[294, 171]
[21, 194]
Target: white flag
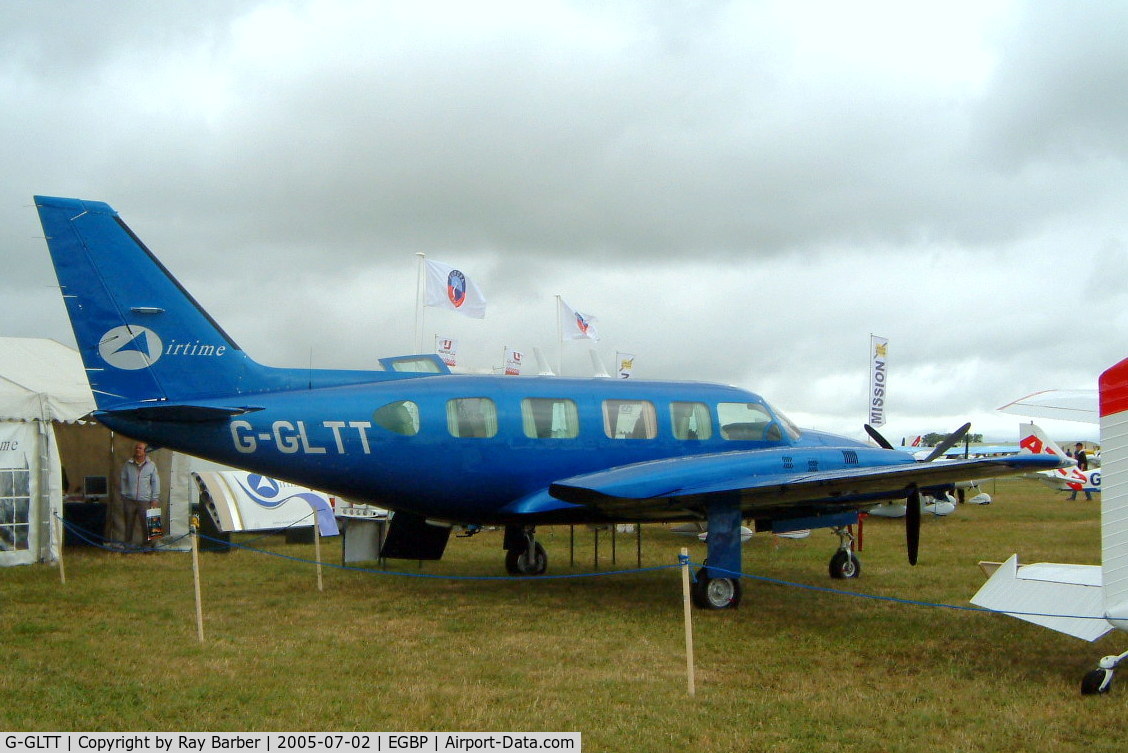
[879, 374]
[513, 360]
[576, 325]
[626, 364]
[447, 349]
[449, 288]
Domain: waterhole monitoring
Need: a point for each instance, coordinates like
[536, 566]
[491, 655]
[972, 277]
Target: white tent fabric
[44, 397]
[42, 380]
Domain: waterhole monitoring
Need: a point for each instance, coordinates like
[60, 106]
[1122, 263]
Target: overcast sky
[739, 192]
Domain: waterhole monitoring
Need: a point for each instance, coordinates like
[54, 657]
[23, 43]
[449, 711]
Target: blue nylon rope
[682, 562]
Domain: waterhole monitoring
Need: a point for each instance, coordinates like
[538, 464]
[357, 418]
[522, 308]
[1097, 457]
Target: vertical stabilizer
[1114, 492]
[142, 337]
[1034, 439]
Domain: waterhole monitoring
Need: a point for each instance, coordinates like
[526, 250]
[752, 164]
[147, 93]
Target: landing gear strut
[717, 584]
[524, 555]
[1100, 679]
[844, 563]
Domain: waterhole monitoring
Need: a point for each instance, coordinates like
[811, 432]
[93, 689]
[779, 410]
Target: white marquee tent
[51, 454]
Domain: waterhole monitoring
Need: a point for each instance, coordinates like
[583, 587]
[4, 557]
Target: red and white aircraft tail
[1085, 601]
[1071, 479]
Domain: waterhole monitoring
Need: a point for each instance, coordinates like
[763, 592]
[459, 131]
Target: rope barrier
[892, 599]
[80, 533]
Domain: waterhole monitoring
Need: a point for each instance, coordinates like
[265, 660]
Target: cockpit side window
[747, 421]
[691, 421]
[401, 417]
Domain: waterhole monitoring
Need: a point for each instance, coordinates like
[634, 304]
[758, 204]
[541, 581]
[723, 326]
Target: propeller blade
[912, 526]
[948, 443]
[876, 436]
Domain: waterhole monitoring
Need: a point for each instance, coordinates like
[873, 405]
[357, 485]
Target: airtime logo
[130, 347]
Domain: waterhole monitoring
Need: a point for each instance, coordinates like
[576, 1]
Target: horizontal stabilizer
[180, 412]
[1065, 598]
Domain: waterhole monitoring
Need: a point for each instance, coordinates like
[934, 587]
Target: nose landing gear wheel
[519, 561]
[845, 564]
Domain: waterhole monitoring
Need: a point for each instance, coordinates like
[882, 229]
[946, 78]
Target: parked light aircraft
[441, 449]
[1085, 601]
[1070, 479]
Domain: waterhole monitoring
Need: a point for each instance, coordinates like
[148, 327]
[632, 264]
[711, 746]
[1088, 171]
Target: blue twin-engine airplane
[442, 449]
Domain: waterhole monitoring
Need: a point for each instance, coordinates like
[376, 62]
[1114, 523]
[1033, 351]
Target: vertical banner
[513, 360]
[447, 350]
[879, 375]
[625, 363]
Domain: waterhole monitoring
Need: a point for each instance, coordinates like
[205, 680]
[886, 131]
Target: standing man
[140, 490]
[1082, 459]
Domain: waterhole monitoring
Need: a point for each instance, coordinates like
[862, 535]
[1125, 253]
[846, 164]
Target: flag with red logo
[450, 288]
[575, 324]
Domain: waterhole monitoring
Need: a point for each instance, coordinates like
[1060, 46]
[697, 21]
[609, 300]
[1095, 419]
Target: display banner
[513, 360]
[878, 383]
[447, 350]
[626, 364]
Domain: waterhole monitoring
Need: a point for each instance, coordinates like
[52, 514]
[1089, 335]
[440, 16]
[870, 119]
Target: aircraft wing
[688, 483]
[1063, 405]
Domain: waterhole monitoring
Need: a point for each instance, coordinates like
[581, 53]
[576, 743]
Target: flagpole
[420, 282]
[559, 340]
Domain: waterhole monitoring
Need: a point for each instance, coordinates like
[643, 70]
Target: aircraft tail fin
[142, 336]
[1033, 439]
[1114, 491]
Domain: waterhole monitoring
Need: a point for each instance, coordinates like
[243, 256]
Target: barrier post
[317, 552]
[195, 524]
[687, 607]
[57, 529]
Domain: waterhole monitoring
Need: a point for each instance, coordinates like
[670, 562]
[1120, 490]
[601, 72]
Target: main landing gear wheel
[845, 564]
[1100, 679]
[1097, 681]
[519, 562]
[715, 593]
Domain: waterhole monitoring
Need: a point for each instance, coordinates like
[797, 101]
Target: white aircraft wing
[1065, 598]
[1063, 405]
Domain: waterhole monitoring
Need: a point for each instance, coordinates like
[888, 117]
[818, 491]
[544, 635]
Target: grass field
[115, 647]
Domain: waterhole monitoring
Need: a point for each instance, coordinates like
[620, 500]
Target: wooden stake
[317, 552]
[58, 529]
[688, 608]
[196, 580]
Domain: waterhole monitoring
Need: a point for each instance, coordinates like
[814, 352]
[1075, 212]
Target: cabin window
[472, 417]
[691, 421]
[550, 418]
[747, 421]
[629, 419]
[401, 417]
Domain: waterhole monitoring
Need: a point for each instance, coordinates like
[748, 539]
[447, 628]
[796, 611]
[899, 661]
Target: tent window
[15, 507]
[629, 419]
[472, 417]
[747, 421]
[691, 421]
[550, 418]
[402, 417]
